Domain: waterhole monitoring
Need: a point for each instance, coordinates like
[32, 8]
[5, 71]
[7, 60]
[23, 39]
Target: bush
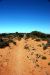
[19, 38]
[38, 55]
[38, 34]
[33, 34]
[44, 46]
[39, 45]
[11, 41]
[4, 35]
[48, 42]
[44, 57]
[4, 44]
[26, 47]
[48, 63]
[10, 36]
[27, 36]
[1, 40]
[38, 39]
[37, 65]
[21, 35]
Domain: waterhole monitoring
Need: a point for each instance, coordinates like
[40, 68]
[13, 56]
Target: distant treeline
[32, 34]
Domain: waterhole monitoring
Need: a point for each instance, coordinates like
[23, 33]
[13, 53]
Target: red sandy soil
[17, 60]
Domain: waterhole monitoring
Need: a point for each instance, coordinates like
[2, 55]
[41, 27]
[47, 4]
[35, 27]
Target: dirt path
[22, 65]
[20, 61]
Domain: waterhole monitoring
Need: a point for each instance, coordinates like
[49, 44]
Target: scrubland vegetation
[32, 48]
[38, 36]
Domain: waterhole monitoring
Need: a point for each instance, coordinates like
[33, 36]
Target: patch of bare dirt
[27, 57]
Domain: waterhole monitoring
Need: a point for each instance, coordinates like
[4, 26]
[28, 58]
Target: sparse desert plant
[33, 49]
[43, 44]
[16, 34]
[44, 47]
[4, 34]
[44, 38]
[37, 65]
[14, 42]
[37, 33]
[38, 39]
[27, 36]
[1, 40]
[21, 35]
[27, 56]
[11, 41]
[38, 55]
[19, 38]
[39, 45]
[33, 34]
[48, 42]
[36, 60]
[4, 44]
[10, 36]
[48, 63]
[26, 47]
[44, 57]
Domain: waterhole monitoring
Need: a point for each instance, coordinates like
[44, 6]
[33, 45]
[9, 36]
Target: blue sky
[24, 16]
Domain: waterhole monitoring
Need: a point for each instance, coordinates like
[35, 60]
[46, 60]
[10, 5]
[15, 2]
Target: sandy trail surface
[21, 60]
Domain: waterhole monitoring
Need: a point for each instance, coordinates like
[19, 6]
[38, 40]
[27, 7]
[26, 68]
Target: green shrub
[38, 34]
[11, 41]
[27, 36]
[43, 44]
[4, 44]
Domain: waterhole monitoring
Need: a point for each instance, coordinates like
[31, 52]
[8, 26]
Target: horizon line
[23, 32]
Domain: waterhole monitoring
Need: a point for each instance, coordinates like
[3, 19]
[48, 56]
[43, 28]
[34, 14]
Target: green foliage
[45, 46]
[4, 44]
[27, 35]
[39, 34]
[11, 41]
[21, 35]
[33, 34]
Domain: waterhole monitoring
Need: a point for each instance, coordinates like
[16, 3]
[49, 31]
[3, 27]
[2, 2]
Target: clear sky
[24, 16]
